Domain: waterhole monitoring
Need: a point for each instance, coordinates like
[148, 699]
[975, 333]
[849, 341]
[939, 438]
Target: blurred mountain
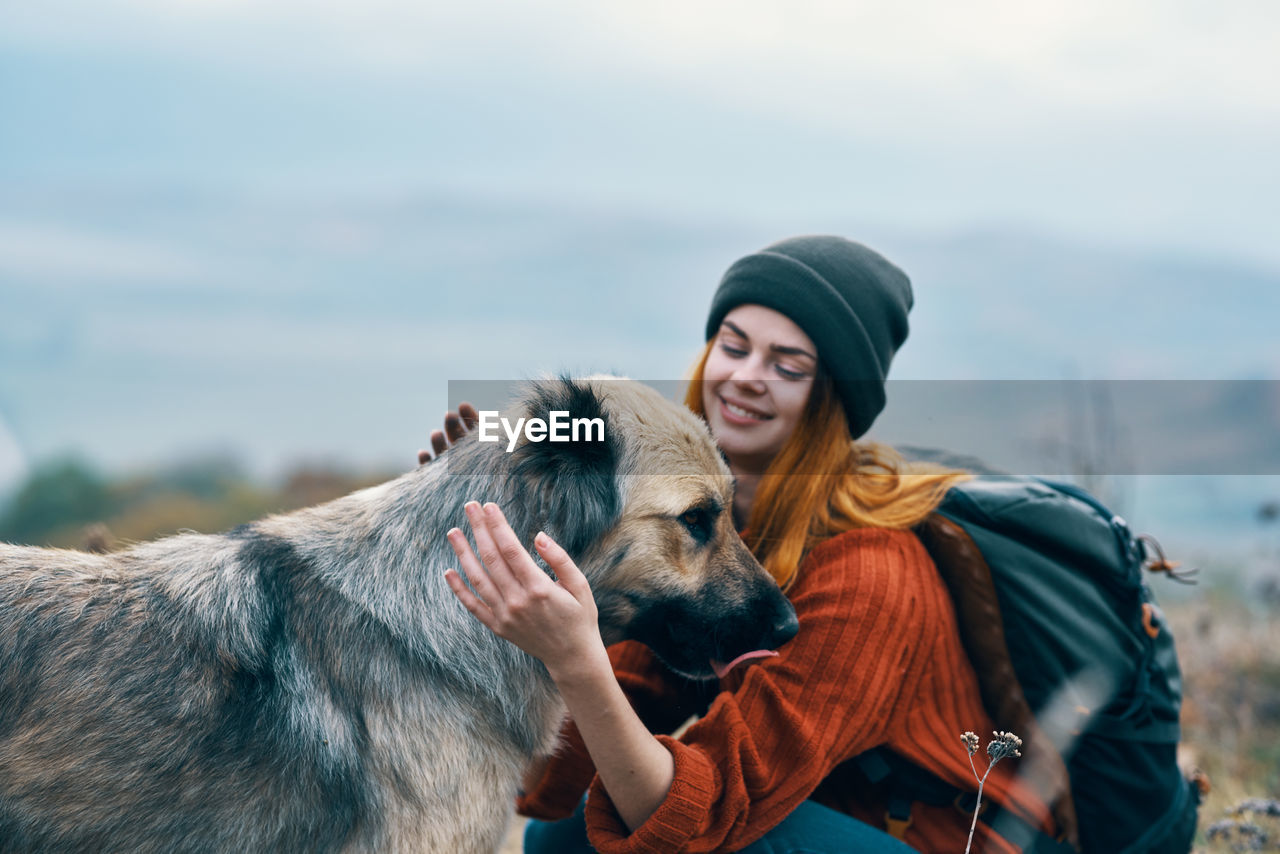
[68, 503]
[141, 328]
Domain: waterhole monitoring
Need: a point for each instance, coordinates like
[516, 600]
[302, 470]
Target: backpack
[1094, 658]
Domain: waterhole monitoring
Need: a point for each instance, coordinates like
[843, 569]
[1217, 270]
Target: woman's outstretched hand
[456, 425]
[554, 621]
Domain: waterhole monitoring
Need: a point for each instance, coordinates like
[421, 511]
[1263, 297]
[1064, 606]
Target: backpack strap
[968, 579]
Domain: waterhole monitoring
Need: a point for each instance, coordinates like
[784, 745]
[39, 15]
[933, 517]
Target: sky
[282, 227]
[1139, 123]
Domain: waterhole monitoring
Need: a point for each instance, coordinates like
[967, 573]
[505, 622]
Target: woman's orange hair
[823, 483]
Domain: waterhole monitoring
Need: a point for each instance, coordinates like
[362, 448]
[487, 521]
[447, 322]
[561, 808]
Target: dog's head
[646, 512]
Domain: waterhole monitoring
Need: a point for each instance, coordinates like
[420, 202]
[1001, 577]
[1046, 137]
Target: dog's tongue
[721, 668]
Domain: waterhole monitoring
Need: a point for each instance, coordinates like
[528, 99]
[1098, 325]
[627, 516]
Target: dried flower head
[1260, 806]
[970, 742]
[1004, 744]
[1241, 835]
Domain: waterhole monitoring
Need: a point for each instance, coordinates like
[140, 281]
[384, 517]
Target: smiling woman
[800, 337]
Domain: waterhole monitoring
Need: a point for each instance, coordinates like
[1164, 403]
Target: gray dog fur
[309, 683]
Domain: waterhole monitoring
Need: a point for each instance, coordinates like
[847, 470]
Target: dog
[308, 682]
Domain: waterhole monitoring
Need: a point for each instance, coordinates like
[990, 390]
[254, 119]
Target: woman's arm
[556, 621]
[663, 700]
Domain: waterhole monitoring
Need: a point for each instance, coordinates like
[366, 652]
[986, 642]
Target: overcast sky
[1150, 122]
[217, 215]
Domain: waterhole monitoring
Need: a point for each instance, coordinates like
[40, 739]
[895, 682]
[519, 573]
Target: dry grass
[1230, 656]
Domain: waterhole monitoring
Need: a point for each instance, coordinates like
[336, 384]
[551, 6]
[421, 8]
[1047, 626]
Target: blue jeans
[810, 829]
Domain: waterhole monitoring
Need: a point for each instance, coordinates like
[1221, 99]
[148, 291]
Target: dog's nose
[787, 628]
[784, 628]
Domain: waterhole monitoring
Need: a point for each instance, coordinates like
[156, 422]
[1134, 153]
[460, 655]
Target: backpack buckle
[897, 818]
[1160, 563]
[896, 827]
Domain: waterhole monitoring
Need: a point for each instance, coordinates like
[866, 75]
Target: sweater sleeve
[784, 723]
[659, 698]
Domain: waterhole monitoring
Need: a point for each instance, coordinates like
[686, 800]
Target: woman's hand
[554, 621]
[456, 425]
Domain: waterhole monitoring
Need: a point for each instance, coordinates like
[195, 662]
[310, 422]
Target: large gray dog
[309, 683]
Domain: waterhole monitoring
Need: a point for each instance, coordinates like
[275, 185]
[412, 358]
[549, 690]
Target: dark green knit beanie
[849, 299]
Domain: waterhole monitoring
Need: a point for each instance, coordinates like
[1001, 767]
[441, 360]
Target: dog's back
[121, 727]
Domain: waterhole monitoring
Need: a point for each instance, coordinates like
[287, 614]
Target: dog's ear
[570, 486]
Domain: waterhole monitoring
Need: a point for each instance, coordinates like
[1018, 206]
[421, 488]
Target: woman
[800, 337]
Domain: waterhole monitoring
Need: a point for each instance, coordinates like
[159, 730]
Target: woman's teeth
[744, 413]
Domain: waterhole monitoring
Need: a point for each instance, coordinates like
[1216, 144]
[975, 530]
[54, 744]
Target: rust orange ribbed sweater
[878, 661]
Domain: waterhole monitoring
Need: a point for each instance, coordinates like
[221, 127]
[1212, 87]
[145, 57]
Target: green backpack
[1094, 657]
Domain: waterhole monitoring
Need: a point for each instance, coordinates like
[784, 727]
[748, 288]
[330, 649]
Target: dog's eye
[698, 522]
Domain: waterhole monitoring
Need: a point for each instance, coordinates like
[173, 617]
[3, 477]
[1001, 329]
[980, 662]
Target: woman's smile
[740, 414]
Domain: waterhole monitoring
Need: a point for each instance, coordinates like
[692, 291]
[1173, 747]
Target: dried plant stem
[977, 807]
[1004, 744]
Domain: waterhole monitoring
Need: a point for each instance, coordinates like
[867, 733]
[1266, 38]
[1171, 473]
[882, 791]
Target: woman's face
[756, 383]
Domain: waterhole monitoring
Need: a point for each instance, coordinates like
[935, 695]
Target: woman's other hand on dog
[554, 621]
[456, 425]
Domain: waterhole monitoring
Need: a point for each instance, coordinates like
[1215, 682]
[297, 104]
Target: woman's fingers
[504, 574]
[456, 425]
[476, 573]
[453, 428]
[516, 600]
[523, 569]
[469, 600]
[438, 443]
[571, 578]
[490, 553]
[460, 423]
[470, 417]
